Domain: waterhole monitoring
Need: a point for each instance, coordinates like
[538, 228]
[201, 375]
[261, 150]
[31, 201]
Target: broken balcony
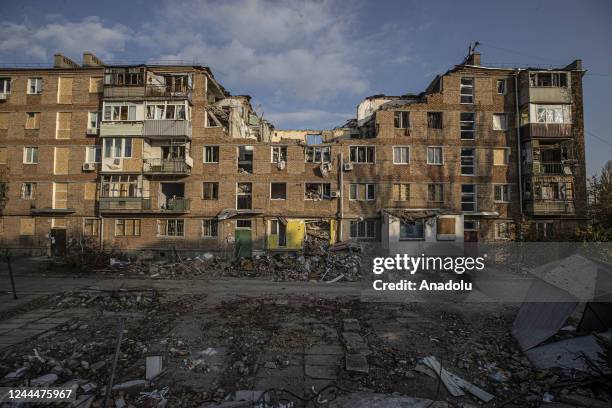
[172, 198]
[124, 204]
[161, 166]
[124, 82]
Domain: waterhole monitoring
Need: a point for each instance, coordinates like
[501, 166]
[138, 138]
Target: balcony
[121, 129]
[558, 169]
[176, 205]
[546, 131]
[166, 166]
[167, 92]
[124, 92]
[165, 128]
[124, 204]
[549, 207]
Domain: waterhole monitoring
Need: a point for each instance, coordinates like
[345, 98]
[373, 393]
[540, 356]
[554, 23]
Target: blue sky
[308, 64]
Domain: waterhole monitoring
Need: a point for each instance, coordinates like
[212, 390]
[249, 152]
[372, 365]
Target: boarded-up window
[62, 155]
[60, 195]
[500, 157]
[446, 226]
[58, 223]
[64, 90]
[95, 84]
[63, 125]
[90, 191]
[2, 155]
[4, 120]
[27, 226]
[32, 120]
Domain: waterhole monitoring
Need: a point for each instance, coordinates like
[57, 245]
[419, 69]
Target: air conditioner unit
[92, 131]
[3, 96]
[335, 194]
[348, 166]
[89, 166]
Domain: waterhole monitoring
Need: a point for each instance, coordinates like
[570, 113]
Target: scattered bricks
[356, 363]
[351, 325]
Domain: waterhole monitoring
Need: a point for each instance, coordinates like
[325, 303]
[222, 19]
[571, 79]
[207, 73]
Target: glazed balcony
[546, 131]
[165, 128]
[158, 166]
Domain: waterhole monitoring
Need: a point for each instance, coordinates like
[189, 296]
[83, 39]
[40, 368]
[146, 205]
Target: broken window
[414, 229]
[243, 224]
[93, 120]
[502, 193]
[210, 120]
[119, 111]
[117, 147]
[245, 159]
[90, 226]
[125, 185]
[127, 228]
[279, 229]
[362, 191]
[501, 86]
[34, 86]
[210, 228]
[124, 76]
[467, 125]
[556, 191]
[171, 228]
[318, 154]
[468, 160]
[278, 191]
[166, 110]
[401, 155]
[435, 155]
[28, 191]
[434, 120]
[5, 85]
[211, 154]
[553, 113]
[32, 120]
[312, 140]
[362, 154]
[317, 191]
[544, 230]
[401, 119]
[467, 90]
[30, 155]
[401, 192]
[500, 121]
[548, 79]
[435, 193]
[468, 197]
[279, 153]
[210, 190]
[502, 230]
[244, 196]
[366, 229]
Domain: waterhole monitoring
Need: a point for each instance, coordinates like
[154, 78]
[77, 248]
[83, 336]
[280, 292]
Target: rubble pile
[122, 299]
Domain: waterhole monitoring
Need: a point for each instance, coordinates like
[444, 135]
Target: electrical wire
[601, 139]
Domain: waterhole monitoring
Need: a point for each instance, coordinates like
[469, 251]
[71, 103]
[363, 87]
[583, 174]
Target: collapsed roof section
[238, 119]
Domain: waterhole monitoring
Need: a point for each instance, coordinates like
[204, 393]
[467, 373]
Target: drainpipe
[340, 165]
[518, 141]
[101, 233]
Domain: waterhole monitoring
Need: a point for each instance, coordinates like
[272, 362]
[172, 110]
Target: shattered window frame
[272, 194]
[210, 190]
[210, 228]
[548, 79]
[28, 190]
[435, 192]
[401, 119]
[467, 124]
[120, 186]
[35, 86]
[279, 229]
[119, 112]
[466, 90]
[501, 86]
[317, 154]
[468, 197]
[503, 230]
[435, 120]
[245, 159]
[468, 161]
[413, 230]
[244, 196]
[318, 191]
[362, 154]
[278, 154]
[210, 154]
[501, 193]
[362, 192]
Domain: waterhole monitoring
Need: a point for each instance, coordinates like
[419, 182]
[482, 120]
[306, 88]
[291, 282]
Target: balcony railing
[550, 207]
[551, 168]
[124, 204]
[546, 131]
[167, 92]
[164, 128]
[166, 166]
[176, 204]
[124, 91]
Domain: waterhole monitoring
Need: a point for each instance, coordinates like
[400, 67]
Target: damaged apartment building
[162, 157]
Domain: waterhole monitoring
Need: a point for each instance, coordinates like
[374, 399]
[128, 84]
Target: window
[90, 226]
[412, 230]
[501, 156]
[125, 185]
[119, 111]
[548, 79]
[30, 155]
[502, 193]
[64, 90]
[127, 228]
[467, 125]
[243, 224]
[468, 197]
[210, 120]
[500, 121]
[32, 120]
[401, 120]
[317, 191]
[5, 85]
[210, 228]
[279, 154]
[166, 110]
[362, 192]
[3, 190]
[124, 76]
[28, 191]
[470, 225]
[34, 86]
[117, 147]
[467, 90]
[556, 191]
[60, 195]
[553, 113]
[211, 154]
[171, 228]
[362, 154]
[318, 154]
[501, 86]
[278, 191]
[278, 230]
[244, 196]
[63, 124]
[434, 120]
[365, 229]
[93, 121]
[435, 156]
[468, 160]
[92, 154]
[401, 192]
[96, 84]
[435, 193]
[502, 230]
[544, 230]
[245, 159]
[210, 190]
[401, 155]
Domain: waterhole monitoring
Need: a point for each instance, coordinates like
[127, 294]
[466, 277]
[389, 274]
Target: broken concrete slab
[326, 349]
[351, 325]
[321, 372]
[356, 363]
[372, 400]
[322, 359]
[355, 343]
